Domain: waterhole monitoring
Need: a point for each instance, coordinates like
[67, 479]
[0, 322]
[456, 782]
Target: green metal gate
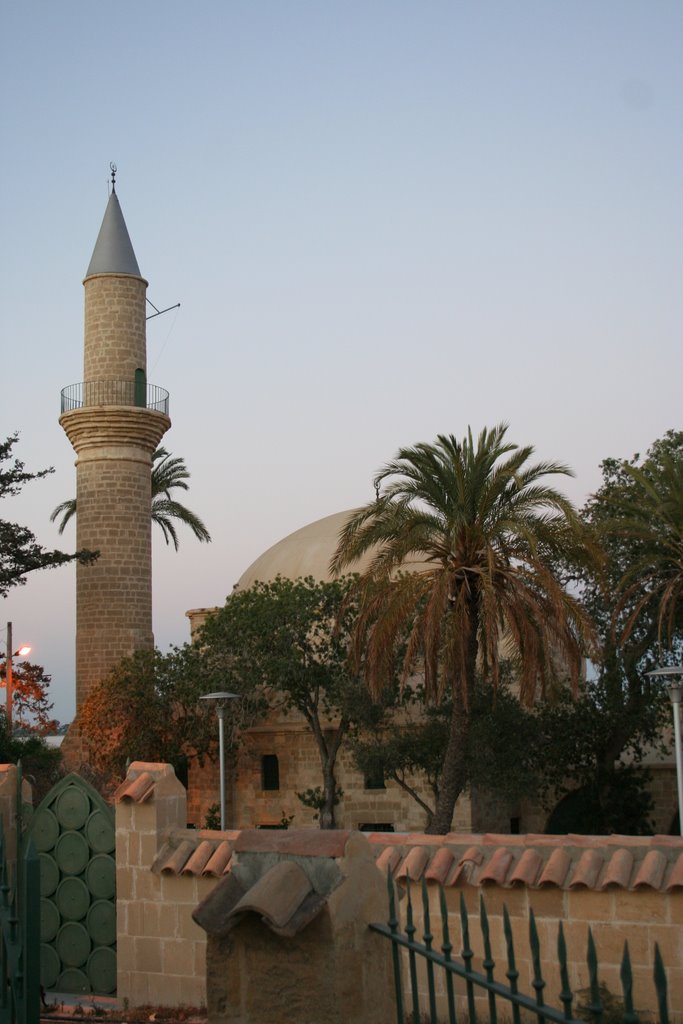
[73, 831]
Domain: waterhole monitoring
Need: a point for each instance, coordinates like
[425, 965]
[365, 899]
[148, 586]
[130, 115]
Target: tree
[288, 640]
[20, 552]
[149, 708]
[651, 514]
[31, 705]
[41, 765]
[636, 513]
[502, 745]
[463, 537]
[169, 473]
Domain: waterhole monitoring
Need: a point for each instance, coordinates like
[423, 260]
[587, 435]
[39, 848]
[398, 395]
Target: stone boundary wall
[165, 870]
[642, 918]
[161, 952]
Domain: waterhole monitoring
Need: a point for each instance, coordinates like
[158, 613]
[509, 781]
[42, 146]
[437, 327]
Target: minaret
[114, 420]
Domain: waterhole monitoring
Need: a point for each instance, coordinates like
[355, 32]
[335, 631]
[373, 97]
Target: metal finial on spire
[112, 168]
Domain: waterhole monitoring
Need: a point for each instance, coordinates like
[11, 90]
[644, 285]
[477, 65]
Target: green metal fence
[19, 927]
[499, 993]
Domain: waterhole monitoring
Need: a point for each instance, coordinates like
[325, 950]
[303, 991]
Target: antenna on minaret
[112, 168]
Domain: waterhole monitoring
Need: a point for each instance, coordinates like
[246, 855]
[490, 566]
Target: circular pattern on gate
[49, 874]
[49, 920]
[73, 944]
[101, 922]
[44, 829]
[73, 980]
[49, 966]
[100, 875]
[72, 808]
[102, 969]
[100, 832]
[72, 899]
[72, 853]
[73, 830]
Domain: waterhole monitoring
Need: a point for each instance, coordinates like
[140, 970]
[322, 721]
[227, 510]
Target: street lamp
[221, 699]
[9, 677]
[675, 690]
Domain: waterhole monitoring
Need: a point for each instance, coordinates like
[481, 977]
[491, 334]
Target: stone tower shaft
[114, 421]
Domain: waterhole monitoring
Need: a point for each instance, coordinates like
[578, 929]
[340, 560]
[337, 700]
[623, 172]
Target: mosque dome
[306, 552]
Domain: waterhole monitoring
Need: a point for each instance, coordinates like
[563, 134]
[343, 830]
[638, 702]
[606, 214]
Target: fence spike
[412, 963]
[566, 994]
[535, 946]
[488, 962]
[467, 955]
[626, 975]
[393, 921]
[595, 1006]
[661, 986]
[512, 974]
[426, 921]
[447, 948]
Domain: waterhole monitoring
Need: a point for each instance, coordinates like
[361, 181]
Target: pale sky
[384, 220]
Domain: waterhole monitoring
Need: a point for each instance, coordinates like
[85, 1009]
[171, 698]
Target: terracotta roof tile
[556, 869]
[587, 870]
[618, 869]
[219, 860]
[497, 868]
[651, 871]
[171, 861]
[414, 864]
[388, 859]
[198, 860]
[137, 789]
[594, 862]
[528, 868]
[676, 876]
[440, 865]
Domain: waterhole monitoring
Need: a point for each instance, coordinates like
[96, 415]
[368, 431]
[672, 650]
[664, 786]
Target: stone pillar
[288, 933]
[8, 807]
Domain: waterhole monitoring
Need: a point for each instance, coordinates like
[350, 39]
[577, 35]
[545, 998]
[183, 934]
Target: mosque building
[115, 420]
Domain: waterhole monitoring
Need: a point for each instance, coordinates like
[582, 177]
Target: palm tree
[651, 517]
[169, 473]
[461, 540]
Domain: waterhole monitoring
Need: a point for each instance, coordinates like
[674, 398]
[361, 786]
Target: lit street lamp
[9, 677]
[221, 699]
[675, 689]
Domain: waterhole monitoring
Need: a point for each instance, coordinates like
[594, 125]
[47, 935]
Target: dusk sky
[383, 220]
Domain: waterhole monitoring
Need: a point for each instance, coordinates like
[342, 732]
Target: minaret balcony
[135, 393]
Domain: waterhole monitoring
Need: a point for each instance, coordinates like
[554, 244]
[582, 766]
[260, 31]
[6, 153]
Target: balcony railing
[115, 392]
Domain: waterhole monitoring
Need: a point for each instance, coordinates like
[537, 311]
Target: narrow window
[140, 389]
[270, 772]
[515, 824]
[376, 826]
[374, 779]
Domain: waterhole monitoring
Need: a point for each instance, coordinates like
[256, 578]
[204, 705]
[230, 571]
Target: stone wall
[288, 737]
[161, 951]
[623, 887]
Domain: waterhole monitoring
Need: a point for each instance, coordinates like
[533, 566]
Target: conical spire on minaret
[113, 252]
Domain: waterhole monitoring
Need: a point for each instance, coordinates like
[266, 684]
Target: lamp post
[675, 690]
[9, 676]
[220, 699]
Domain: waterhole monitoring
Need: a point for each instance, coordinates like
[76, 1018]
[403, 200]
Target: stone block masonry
[115, 345]
[114, 595]
[633, 891]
